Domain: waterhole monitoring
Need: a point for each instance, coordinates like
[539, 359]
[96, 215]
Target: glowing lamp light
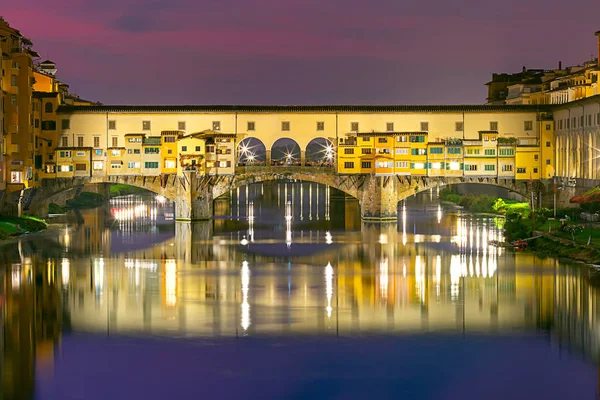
[383, 239]
[454, 166]
[244, 241]
[160, 198]
[328, 237]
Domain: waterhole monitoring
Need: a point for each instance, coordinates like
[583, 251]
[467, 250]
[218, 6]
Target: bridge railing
[284, 170]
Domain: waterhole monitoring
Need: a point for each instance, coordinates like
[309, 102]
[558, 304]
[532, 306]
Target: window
[134, 140]
[112, 125]
[183, 148]
[366, 138]
[367, 150]
[64, 141]
[490, 152]
[320, 126]
[285, 125]
[98, 165]
[402, 139]
[381, 140]
[453, 150]
[389, 126]
[521, 170]
[349, 165]
[436, 150]
[16, 177]
[417, 139]
[547, 162]
[547, 144]
[13, 80]
[151, 164]
[535, 170]
[115, 164]
[365, 164]
[146, 125]
[470, 167]
[536, 157]
[417, 165]
[37, 123]
[136, 151]
[418, 152]
[169, 151]
[506, 152]
[251, 126]
[528, 125]
[96, 141]
[198, 148]
[401, 164]
[384, 164]
[48, 125]
[66, 168]
[80, 167]
[181, 125]
[348, 151]
[354, 126]
[581, 121]
[548, 127]
[402, 151]
[151, 150]
[80, 141]
[115, 153]
[424, 126]
[115, 141]
[216, 125]
[210, 148]
[169, 139]
[98, 152]
[170, 164]
[507, 168]
[493, 125]
[129, 151]
[490, 167]
[133, 164]
[458, 126]
[65, 154]
[224, 164]
[48, 107]
[65, 124]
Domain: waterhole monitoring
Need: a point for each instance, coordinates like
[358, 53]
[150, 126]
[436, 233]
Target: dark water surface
[286, 294]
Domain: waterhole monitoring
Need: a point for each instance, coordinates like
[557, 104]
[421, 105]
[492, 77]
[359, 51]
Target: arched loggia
[285, 152]
[319, 152]
[251, 152]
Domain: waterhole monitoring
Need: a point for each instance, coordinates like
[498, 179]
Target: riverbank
[15, 226]
[121, 189]
[84, 201]
[484, 203]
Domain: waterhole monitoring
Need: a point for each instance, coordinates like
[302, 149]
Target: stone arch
[319, 152]
[285, 152]
[248, 178]
[251, 151]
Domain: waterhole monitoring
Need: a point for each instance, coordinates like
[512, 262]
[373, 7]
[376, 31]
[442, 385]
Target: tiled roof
[66, 109]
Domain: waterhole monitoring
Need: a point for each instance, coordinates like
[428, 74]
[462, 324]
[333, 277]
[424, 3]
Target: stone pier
[379, 200]
[193, 201]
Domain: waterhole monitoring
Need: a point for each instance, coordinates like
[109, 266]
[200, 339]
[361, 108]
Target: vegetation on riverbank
[582, 253]
[486, 204]
[120, 189]
[14, 226]
[85, 200]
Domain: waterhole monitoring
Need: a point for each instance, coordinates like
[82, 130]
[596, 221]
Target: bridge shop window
[115, 141]
[151, 150]
[490, 152]
[458, 126]
[493, 125]
[535, 170]
[146, 125]
[96, 141]
[490, 167]
[64, 141]
[453, 150]
[320, 126]
[365, 164]
[366, 138]
[547, 162]
[65, 124]
[198, 148]
[48, 107]
[418, 152]
[66, 168]
[354, 126]
[98, 165]
[80, 167]
[436, 150]
[181, 125]
[548, 144]
[401, 164]
[424, 126]
[48, 125]
[521, 170]
[367, 150]
[403, 139]
[403, 151]
[285, 125]
[507, 168]
[348, 151]
[470, 167]
[151, 164]
[251, 126]
[65, 154]
[80, 141]
[528, 125]
[389, 126]
[112, 125]
[417, 139]
[183, 148]
[381, 140]
[98, 152]
[216, 125]
[169, 139]
[349, 165]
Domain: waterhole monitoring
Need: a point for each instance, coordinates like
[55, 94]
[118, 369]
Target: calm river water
[286, 294]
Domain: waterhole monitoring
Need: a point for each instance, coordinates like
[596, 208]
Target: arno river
[286, 294]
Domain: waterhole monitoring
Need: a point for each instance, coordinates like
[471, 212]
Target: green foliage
[86, 200]
[54, 208]
[517, 227]
[499, 206]
[15, 225]
[120, 189]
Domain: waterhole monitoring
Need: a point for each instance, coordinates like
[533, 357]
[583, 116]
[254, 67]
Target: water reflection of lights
[16, 277]
[160, 199]
[130, 213]
[64, 271]
[328, 237]
[420, 278]
[439, 214]
[245, 322]
[98, 276]
[404, 240]
[383, 238]
[288, 224]
[329, 288]
[251, 221]
[384, 277]
[170, 282]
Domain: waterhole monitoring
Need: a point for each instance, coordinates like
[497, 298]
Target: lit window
[170, 164]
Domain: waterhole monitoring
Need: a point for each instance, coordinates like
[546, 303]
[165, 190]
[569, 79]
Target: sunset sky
[300, 51]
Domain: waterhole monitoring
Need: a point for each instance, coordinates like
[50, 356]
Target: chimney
[560, 65]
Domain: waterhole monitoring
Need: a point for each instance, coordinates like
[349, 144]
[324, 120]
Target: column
[268, 157]
[193, 203]
[302, 158]
[379, 200]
